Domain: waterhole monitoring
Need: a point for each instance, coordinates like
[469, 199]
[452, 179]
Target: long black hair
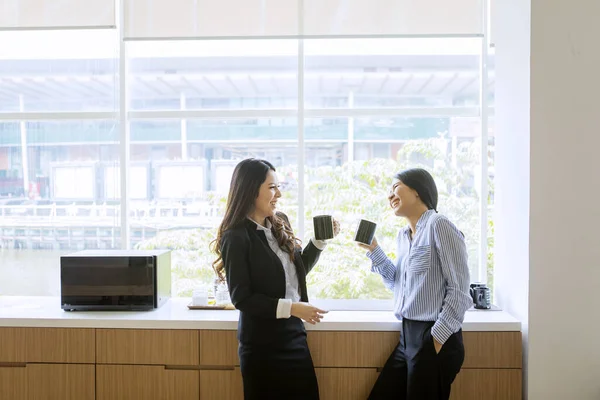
[248, 176]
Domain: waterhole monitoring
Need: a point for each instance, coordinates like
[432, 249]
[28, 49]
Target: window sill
[46, 312]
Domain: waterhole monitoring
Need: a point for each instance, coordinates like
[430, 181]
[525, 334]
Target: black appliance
[109, 280]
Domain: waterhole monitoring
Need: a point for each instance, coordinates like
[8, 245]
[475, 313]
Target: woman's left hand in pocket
[437, 345]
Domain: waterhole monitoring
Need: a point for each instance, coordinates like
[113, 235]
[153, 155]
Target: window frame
[126, 116]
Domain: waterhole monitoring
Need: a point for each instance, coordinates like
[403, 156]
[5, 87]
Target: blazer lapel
[271, 254]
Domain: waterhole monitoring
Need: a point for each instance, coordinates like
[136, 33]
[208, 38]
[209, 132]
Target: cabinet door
[493, 350]
[145, 382]
[147, 346]
[351, 349]
[219, 348]
[61, 381]
[221, 384]
[13, 382]
[489, 384]
[345, 383]
[47, 345]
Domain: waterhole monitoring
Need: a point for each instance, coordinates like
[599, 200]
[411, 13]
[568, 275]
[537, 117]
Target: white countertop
[45, 312]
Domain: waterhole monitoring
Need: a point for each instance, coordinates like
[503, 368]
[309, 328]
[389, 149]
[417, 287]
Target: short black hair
[423, 183]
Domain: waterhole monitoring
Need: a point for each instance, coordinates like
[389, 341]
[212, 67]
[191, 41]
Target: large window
[59, 152]
[338, 112]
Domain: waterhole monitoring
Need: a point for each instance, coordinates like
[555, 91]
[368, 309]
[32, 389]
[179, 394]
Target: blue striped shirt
[430, 278]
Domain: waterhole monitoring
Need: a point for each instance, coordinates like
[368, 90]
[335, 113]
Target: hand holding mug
[336, 227]
[326, 227]
[370, 247]
[365, 234]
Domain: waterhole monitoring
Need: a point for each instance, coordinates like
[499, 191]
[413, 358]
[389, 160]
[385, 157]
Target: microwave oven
[109, 280]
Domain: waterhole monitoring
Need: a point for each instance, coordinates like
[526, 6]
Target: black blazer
[256, 278]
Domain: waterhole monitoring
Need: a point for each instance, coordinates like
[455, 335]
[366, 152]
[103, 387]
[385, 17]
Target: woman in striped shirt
[430, 281]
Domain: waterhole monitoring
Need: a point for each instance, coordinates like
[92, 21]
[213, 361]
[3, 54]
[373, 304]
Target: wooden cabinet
[488, 384]
[345, 383]
[351, 349]
[147, 346]
[220, 377]
[164, 364]
[493, 350]
[492, 367]
[48, 382]
[221, 384]
[47, 345]
[13, 382]
[61, 382]
[47, 364]
[146, 382]
[219, 348]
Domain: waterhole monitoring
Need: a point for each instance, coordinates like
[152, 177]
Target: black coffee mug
[365, 232]
[323, 227]
[483, 299]
[473, 286]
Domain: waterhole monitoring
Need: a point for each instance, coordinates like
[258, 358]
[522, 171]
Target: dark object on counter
[482, 297]
[111, 280]
[472, 289]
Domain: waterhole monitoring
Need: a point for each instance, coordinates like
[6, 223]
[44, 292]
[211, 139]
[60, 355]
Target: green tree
[350, 192]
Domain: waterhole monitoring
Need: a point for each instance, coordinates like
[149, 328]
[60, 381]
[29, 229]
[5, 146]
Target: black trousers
[414, 371]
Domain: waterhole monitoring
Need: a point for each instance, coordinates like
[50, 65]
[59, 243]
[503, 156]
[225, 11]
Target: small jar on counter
[222, 295]
[200, 297]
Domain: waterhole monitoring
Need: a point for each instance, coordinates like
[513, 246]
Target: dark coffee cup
[483, 299]
[474, 286]
[365, 232]
[323, 227]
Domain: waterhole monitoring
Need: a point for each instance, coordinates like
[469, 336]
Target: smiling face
[265, 204]
[403, 199]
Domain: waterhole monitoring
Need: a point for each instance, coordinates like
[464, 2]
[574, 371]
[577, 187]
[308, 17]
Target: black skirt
[281, 369]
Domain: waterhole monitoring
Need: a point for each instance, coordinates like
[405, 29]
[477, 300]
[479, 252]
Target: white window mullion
[440, 112]
[459, 111]
[58, 115]
[212, 114]
[483, 201]
[300, 122]
[124, 137]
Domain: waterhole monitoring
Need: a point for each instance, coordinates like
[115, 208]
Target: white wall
[563, 308]
[511, 214]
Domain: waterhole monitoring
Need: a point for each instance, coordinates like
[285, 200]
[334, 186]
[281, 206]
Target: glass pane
[52, 13]
[491, 164]
[391, 17]
[43, 71]
[397, 73]
[209, 18]
[351, 179]
[188, 181]
[58, 194]
[55, 194]
[213, 75]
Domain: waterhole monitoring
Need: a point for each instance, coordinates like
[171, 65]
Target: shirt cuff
[284, 308]
[440, 332]
[377, 256]
[319, 244]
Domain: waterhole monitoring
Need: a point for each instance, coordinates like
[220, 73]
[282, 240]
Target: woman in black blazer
[265, 268]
